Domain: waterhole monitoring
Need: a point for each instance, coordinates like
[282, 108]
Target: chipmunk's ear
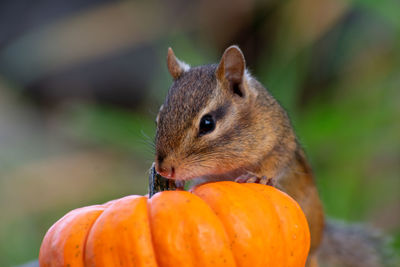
[175, 66]
[231, 70]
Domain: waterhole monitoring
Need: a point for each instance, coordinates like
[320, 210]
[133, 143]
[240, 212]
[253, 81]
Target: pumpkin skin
[216, 224]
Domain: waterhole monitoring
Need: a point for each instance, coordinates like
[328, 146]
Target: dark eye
[207, 125]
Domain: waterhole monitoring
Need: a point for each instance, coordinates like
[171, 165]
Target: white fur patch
[184, 66]
[158, 114]
[247, 75]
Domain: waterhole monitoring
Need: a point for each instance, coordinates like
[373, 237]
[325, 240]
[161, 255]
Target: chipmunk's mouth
[189, 175]
[189, 180]
[188, 169]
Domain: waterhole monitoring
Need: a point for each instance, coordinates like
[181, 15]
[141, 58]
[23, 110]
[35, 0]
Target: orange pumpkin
[217, 224]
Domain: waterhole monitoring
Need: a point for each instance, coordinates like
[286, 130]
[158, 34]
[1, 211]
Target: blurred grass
[106, 126]
[102, 153]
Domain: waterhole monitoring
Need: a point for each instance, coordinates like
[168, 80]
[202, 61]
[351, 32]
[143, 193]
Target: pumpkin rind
[64, 242]
[293, 223]
[218, 224]
[121, 234]
[251, 223]
[186, 232]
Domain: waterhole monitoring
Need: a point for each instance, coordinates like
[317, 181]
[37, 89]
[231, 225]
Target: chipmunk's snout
[164, 168]
[167, 172]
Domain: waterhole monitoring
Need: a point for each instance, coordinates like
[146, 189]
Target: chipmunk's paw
[180, 184]
[252, 178]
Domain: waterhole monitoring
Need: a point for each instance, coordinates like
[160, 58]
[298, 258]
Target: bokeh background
[81, 82]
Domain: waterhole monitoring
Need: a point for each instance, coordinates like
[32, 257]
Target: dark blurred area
[81, 82]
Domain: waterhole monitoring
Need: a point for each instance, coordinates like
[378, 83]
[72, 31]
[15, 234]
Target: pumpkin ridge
[60, 248]
[123, 229]
[148, 203]
[289, 211]
[87, 235]
[243, 220]
[283, 250]
[194, 236]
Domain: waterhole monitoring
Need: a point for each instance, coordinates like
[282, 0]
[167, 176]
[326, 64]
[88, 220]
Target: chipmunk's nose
[164, 169]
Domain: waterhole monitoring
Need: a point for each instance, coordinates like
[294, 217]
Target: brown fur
[253, 134]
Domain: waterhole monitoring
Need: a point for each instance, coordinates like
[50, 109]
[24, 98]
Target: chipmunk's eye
[207, 125]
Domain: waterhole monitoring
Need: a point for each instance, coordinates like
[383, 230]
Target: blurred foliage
[81, 82]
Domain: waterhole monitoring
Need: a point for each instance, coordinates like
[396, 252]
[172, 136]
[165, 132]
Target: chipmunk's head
[203, 127]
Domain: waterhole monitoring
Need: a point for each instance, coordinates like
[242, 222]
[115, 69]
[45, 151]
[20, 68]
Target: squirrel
[219, 123]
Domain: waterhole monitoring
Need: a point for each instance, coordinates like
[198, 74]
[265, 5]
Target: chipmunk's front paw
[180, 184]
[252, 178]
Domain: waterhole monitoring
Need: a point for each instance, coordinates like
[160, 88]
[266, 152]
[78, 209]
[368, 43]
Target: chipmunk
[219, 123]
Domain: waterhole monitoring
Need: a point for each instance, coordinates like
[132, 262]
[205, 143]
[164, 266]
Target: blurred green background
[81, 82]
